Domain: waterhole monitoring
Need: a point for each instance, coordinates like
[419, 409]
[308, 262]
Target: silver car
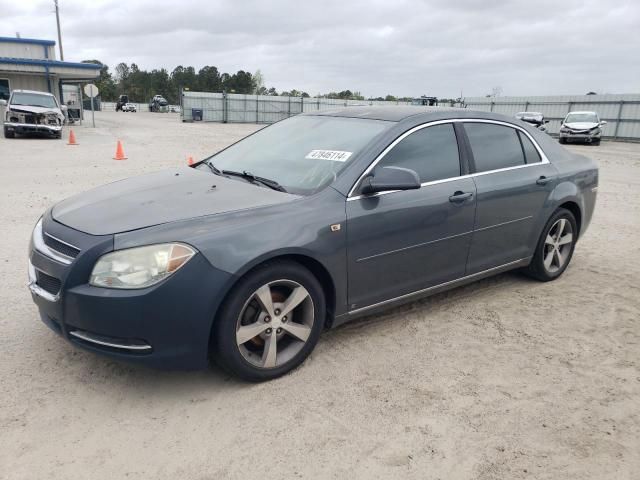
[581, 127]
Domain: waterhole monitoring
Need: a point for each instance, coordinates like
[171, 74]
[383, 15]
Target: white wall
[31, 82]
[26, 50]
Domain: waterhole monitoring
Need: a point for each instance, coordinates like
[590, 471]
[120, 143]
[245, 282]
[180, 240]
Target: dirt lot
[506, 378]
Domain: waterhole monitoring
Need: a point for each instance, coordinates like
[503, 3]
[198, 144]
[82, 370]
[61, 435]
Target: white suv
[29, 111]
[581, 127]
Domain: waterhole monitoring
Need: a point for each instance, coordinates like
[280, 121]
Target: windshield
[303, 153]
[34, 100]
[588, 117]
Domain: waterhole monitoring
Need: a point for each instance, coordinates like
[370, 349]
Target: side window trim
[467, 157]
[524, 153]
[520, 130]
[526, 157]
[420, 152]
[390, 147]
[463, 149]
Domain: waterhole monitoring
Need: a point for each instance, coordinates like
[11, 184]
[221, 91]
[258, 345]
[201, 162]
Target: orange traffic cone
[72, 138]
[119, 152]
[190, 160]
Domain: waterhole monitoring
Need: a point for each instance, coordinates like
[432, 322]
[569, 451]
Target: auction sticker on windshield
[334, 155]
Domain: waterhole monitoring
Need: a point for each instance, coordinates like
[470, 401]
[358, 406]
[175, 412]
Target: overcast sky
[443, 47]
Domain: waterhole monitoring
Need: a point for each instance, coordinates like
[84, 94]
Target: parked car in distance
[581, 127]
[122, 101]
[129, 107]
[32, 112]
[534, 118]
[158, 104]
[244, 257]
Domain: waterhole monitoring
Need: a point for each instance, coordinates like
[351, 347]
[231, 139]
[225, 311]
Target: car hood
[34, 109]
[158, 198]
[581, 125]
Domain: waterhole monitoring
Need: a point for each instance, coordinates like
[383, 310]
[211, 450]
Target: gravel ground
[505, 378]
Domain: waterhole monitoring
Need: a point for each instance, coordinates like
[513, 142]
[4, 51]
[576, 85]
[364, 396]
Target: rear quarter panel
[577, 179]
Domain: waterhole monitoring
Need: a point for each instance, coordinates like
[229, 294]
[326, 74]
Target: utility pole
[55, 2]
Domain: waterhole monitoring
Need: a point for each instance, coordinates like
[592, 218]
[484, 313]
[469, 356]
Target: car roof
[417, 114]
[389, 113]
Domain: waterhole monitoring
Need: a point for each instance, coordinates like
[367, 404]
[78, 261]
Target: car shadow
[143, 380]
[426, 305]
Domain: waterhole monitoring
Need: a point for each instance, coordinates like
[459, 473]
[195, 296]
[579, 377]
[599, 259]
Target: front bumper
[32, 128]
[164, 326]
[587, 136]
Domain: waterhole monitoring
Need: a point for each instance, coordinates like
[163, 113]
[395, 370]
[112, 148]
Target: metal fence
[238, 108]
[142, 107]
[622, 112]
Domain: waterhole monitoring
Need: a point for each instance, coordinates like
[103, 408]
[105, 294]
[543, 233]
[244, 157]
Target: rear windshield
[303, 153]
[34, 100]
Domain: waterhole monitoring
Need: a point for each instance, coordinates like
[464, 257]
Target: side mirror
[3, 102]
[390, 178]
[603, 122]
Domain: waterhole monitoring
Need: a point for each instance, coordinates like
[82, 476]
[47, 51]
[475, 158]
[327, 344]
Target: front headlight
[139, 267]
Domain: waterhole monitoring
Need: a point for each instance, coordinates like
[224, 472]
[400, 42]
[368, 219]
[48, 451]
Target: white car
[581, 127]
[28, 111]
[129, 107]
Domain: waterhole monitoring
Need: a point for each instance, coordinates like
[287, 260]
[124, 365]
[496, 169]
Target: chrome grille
[60, 246]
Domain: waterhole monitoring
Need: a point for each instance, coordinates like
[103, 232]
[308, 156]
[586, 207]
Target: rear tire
[257, 336]
[555, 247]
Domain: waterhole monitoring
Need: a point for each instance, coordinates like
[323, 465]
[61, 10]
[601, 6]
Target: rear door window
[494, 146]
[531, 154]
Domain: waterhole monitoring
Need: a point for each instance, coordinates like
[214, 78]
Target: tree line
[142, 85]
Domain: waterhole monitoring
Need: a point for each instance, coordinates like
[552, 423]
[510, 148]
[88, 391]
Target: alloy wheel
[557, 245]
[275, 323]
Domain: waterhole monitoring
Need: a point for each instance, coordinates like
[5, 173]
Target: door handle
[460, 197]
[543, 180]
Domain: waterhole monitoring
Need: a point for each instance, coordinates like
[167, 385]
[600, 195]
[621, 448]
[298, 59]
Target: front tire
[563, 141]
[270, 322]
[555, 247]
[9, 134]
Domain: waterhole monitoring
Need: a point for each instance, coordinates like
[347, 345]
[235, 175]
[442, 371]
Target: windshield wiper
[267, 182]
[213, 168]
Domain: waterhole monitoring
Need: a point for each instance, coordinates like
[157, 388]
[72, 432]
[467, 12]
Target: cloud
[439, 47]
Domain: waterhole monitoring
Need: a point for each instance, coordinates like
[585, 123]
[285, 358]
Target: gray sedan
[247, 256]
